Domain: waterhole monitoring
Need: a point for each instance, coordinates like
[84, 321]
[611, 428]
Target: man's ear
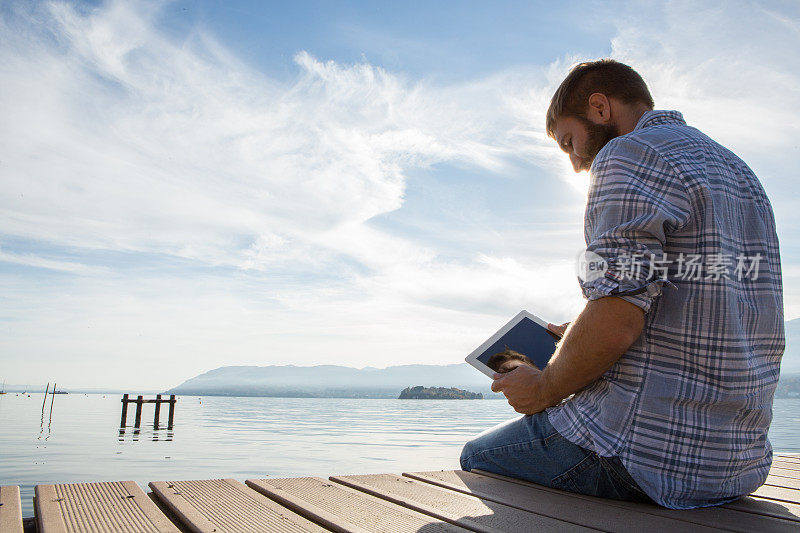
[599, 110]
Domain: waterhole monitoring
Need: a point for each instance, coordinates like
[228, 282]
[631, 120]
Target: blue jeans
[530, 448]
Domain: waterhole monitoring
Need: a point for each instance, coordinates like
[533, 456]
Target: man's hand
[591, 344]
[523, 389]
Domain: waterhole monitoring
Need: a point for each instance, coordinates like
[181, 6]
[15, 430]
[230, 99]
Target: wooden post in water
[52, 398]
[138, 422]
[158, 411]
[124, 420]
[45, 398]
[140, 401]
[171, 411]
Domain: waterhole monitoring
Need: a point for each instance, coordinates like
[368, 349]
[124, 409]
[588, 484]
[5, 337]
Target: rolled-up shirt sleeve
[636, 200]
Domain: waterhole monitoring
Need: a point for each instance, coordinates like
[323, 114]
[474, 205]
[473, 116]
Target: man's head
[508, 360]
[596, 102]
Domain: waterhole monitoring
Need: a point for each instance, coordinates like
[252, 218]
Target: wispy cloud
[728, 65]
[33, 260]
[255, 214]
[133, 141]
[128, 140]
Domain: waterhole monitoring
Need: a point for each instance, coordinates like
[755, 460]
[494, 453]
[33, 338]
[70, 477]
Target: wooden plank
[787, 464]
[175, 519]
[455, 507]
[206, 506]
[794, 467]
[343, 509]
[778, 493]
[557, 504]
[777, 471]
[10, 510]
[760, 511]
[783, 481]
[98, 507]
[766, 507]
[791, 456]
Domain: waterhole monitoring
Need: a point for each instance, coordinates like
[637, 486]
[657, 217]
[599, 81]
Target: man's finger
[497, 384]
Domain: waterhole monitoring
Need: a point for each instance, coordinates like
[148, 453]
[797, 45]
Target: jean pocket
[564, 482]
[576, 478]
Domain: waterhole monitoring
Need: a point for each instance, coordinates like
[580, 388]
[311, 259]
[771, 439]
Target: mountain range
[345, 382]
[332, 381]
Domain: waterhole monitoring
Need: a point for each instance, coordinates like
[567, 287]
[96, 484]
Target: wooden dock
[441, 501]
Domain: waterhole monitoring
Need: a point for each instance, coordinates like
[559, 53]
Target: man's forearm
[603, 331]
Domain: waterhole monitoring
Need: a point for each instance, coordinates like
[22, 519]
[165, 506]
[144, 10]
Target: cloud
[126, 140]
[209, 214]
[33, 260]
[727, 65]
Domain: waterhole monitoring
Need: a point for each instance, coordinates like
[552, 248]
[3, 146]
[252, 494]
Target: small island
[438, 393]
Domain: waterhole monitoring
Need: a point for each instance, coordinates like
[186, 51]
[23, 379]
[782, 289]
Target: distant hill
[331, 381]
[345, 382]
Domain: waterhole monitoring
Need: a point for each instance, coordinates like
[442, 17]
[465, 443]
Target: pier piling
[45, 398]
[156, 418]
[140, 401]
[138, 421]
[124, 420]
[171, 411]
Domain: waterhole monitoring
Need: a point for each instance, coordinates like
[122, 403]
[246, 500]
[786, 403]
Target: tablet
[525, 333]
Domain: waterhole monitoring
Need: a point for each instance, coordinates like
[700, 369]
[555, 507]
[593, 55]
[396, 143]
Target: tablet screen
[528, 338]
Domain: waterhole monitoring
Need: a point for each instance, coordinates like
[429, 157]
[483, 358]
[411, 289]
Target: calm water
[252, 437]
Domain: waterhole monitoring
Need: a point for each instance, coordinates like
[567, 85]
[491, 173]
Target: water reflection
[50, 418]
[154, 434]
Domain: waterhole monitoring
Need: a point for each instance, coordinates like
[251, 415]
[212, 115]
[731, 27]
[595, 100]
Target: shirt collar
[652, 118]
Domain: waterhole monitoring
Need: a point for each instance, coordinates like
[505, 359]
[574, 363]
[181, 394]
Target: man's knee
[482, 446]
[466, 455]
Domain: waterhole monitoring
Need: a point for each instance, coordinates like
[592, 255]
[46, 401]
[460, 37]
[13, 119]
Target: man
[661, 389]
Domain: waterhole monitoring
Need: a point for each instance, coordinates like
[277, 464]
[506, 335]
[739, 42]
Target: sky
[190, 185]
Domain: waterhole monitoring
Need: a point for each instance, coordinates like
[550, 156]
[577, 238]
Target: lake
[252, 437]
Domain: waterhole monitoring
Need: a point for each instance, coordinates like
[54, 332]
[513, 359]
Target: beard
[597, 137]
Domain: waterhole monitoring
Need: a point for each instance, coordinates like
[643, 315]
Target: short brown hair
[497, 360]
[612, 78]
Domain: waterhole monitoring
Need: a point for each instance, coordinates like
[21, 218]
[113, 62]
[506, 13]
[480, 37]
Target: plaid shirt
[688, 235]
